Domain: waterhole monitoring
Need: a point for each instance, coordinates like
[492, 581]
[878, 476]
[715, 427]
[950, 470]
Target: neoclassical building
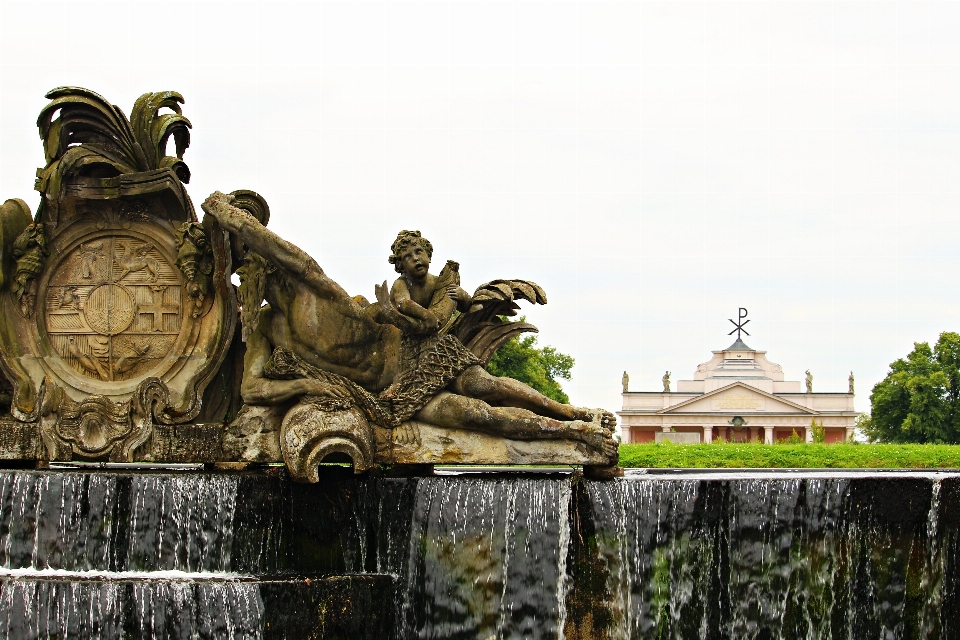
[741, 396]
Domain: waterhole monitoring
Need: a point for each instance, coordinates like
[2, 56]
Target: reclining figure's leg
[455, 411]
[476, 382]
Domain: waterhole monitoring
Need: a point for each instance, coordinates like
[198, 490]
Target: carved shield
[118, 308]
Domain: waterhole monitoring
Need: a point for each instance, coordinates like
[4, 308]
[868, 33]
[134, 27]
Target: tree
[520, 359]
[919, 400]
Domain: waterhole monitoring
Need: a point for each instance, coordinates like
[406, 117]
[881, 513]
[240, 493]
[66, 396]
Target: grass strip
[790, 456]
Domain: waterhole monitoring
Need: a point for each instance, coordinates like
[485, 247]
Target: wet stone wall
[253, 555]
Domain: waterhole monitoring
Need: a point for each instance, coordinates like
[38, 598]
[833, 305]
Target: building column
[808, 434]
[768, 435]
[848, 433]
[666, 428]
[707, 434]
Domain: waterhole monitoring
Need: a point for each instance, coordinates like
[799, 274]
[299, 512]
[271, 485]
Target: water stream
[711, 555]
[828, 556]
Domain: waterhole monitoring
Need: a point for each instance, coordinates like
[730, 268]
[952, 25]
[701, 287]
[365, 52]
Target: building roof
[738, 346]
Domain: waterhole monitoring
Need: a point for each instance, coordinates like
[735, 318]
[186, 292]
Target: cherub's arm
[387, 313]
[256, 389]
[461, 297]
[400, 297]
[282, 254]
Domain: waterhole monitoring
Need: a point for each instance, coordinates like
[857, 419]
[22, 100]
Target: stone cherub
[419, 295]
[313, 340]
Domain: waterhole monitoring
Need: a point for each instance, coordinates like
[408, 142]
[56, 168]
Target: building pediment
[738, 398]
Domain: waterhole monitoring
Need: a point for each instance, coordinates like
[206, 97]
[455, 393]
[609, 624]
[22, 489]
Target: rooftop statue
[334, 369]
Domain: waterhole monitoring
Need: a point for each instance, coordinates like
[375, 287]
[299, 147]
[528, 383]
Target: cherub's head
[411, 253]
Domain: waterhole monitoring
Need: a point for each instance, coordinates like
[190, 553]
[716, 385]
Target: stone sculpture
[809, 381]
[100, 338]
[850, 382]
[335, 374]
[625, 381]
[117, 338]
[666, 382]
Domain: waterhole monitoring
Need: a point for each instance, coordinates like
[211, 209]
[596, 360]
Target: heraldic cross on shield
[113, 306]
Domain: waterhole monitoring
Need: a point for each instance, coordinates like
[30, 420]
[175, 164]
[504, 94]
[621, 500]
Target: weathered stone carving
[92, 427]
[195, 260]
[399, 381]
[118, 316]
[30, 252]
[115, 286]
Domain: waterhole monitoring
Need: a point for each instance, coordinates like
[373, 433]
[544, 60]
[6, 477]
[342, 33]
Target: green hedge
[786, 456]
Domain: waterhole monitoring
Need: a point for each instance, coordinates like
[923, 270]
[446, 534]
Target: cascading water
[158, 608]
[774, 557]
[518, 555]
[109, 555]
[487, 559]
[160, 555]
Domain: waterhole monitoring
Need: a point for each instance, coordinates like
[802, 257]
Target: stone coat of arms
[117, 298]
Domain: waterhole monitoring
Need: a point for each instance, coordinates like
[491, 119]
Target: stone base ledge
[459, 446]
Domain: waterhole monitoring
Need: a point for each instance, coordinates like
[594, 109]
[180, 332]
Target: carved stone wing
[482, 329]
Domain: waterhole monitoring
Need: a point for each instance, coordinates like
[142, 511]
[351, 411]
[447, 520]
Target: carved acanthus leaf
[482, 329]
[79, 129]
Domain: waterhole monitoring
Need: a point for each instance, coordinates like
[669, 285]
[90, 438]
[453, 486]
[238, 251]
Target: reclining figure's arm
[257, 389]
[279, 252]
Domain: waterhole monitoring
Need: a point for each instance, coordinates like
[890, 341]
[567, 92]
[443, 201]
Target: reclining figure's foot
[600, 439]
[597, 433]
[601, 416]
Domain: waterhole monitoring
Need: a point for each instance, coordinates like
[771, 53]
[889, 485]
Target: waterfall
[761, 555]
[486, 559]
[112, 522]
[130, 609]
[94, 555]
[181, 522]
[773, 557]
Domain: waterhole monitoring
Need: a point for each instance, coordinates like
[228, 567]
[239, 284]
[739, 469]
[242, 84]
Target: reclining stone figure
[315, 345]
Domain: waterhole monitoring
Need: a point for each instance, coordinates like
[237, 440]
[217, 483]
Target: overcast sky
[654, 166]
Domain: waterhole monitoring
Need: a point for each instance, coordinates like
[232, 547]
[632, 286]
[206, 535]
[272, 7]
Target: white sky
[654, 166]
